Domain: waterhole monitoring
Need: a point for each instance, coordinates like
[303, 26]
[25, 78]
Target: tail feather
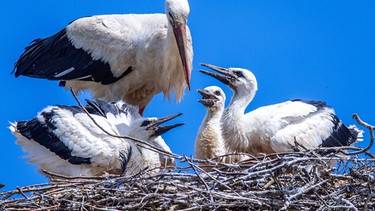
[357, 133]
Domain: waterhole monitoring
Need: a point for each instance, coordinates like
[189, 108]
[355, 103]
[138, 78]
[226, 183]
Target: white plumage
[64, 140]
[118, 57]
[209, 142]
[275, 128]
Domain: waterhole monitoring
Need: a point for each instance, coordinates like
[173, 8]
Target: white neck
[209, 142]
[232, 121]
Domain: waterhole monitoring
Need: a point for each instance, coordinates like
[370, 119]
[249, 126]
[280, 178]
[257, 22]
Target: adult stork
[275, 128]
[64, 140]
[128, 57]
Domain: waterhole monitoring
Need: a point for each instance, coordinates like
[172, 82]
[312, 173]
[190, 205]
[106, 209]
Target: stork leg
[141, 110]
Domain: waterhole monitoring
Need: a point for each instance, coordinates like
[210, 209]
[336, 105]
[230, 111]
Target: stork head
[213, 98]
[149, 130]
[177, 12]
[238, 79]
[153, 128]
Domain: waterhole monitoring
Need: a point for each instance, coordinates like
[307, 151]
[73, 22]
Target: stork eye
[239, 74]
[217, 92]
[146, 122]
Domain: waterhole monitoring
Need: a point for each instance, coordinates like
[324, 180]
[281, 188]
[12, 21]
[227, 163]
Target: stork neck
[214, 116]
[210, 127]
[234, 122]
[239, 102]
[234, 113]
[170, 35]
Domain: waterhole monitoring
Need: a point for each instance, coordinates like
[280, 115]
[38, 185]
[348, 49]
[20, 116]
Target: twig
[54, 207]
[21, 192]
[55, 175]
[371, 130]
[200, 178]
[305, 189]
[351, 205]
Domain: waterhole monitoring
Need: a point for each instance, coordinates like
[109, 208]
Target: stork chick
[209, 143]
[128, 57]
[64, 140]
[275, 128]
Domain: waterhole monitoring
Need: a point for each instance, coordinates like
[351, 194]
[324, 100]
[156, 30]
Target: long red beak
[180, 35]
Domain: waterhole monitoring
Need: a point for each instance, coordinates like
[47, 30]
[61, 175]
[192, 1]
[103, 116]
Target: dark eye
[217, 92]
[146, 122]
[238, 73]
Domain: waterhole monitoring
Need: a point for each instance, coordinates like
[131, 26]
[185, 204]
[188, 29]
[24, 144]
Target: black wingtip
[14, 71]
[62, 83]
[96, 107]
[23, 128]
[316, 103]
[340, 136]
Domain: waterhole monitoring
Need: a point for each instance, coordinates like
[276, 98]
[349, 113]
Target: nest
[288, 181]
[297, 181]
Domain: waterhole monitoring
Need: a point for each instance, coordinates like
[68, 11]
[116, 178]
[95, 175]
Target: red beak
[180, 35]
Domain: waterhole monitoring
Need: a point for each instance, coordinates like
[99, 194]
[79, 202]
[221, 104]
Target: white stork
[275, 128]
[128, 57]
[209, 142]
[64, 140]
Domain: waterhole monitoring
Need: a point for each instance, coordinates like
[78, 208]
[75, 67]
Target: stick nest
[297, 181]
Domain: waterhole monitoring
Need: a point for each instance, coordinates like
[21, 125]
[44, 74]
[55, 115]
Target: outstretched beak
[208, 99]
[163, 129]
[223, 75]
[159, 130]
[179, 32]
[206, 94]
[207, 102]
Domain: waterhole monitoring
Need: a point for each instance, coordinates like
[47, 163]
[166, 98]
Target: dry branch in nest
[285, 181]
[297, 180]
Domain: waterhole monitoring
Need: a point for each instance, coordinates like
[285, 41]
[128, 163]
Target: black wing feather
[318, 104]
[102, 108]
[51, 56]
[124, 159]
[42, 133]
[341, 135]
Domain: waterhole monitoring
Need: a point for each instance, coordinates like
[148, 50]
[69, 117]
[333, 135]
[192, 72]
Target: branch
[371, 130]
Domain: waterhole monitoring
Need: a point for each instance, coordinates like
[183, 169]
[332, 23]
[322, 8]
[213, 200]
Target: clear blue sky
[320, 50]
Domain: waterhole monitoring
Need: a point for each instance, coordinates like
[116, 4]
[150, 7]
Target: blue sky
[320, 50]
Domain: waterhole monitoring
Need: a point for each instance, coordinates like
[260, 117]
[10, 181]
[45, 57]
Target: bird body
[127, 57]
[64, 140]
[275, 128]
[209, 143]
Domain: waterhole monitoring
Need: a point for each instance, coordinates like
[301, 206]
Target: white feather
[86, 140]
[209, 143]
[143, 41]
[273, 128]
